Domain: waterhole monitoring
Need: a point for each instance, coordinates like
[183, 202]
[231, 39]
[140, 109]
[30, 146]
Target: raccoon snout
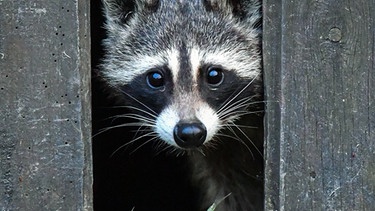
[189, 134]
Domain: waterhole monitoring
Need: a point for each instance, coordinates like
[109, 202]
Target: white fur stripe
[234, 61]
[227, 59]
[165, 124]
[124, 72]
[210, 120]
[173, 63]
[195, 63]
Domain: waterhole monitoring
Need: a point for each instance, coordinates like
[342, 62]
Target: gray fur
[172, 23]
[187, 34]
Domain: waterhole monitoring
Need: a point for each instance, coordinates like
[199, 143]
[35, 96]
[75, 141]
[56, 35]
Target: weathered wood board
[45, 122]
[319, 61]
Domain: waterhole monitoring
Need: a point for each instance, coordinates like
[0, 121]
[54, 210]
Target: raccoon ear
[120, 11]
[223, 6]
[239, 8]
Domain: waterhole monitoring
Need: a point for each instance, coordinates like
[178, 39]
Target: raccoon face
[187, 68]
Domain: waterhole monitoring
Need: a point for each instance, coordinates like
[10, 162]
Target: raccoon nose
[189, 134]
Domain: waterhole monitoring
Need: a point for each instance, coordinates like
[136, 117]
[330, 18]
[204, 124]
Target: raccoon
[190, 74]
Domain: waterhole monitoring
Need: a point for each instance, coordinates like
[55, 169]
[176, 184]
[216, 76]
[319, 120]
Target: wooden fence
[319, 62]
[319, 65]
[45, 122]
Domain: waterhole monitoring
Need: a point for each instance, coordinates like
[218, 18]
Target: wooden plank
[272, 75]
[322, 55]
[45, 127]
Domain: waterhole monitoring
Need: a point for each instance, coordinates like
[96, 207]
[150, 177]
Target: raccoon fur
[190, 74]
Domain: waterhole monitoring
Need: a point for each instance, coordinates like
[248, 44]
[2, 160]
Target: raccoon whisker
[234, 102]
[238, 107]
[235, 137]
[238, 114]
[217, 202]
[162, 146]
[113, 118]
[240, 104]
[141, 110]
[248, 138]
[140, 118]
[230, 104]
[243, 102]
[213, 144]
[135, 99]
[258, 102]
[132, 124]
[241, 141]
[132, 116]
[134, 140]
[217, 140]
[229, 136]
[201, 151]
[174, 150]
[146, 129]
[178, 153]
[235, 96]
[233, 114]
[146, 142]
[114, 107]
[142, 130]
[241, 126]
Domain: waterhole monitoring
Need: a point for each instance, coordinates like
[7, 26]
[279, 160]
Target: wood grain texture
[320, 81]
[45, 127]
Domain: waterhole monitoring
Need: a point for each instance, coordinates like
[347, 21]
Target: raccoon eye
[215, 76]
[155, 80]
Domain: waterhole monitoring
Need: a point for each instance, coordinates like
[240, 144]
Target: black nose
[189, 134]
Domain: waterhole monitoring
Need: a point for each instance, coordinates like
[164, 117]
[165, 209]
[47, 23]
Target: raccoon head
[187, 68]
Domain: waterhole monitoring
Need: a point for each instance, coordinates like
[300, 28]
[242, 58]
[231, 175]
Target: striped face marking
[188, 95]
[187, 102]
